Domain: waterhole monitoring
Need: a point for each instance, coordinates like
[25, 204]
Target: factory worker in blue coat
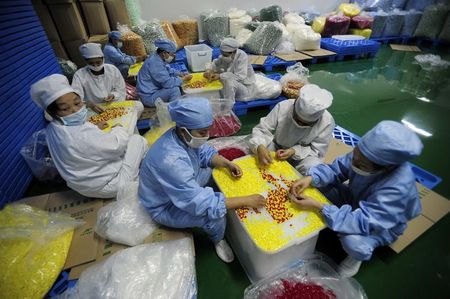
[114, 56]
[177, 168]
[373, 209]
[156, 79]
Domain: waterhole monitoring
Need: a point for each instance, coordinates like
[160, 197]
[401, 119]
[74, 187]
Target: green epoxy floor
[366, 92]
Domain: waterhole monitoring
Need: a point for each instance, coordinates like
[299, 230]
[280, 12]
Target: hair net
[49, 89]
[191, 113]
[229, 44]
[91, 50]
[312, 102]
[115, 35]
[166, 45]
[390, 143]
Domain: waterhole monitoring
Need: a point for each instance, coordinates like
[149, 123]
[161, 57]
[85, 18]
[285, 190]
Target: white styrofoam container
[198, 56]
[258, 263]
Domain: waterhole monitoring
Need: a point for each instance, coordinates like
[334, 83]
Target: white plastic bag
[286, 36]
[295, 78]
[238, 24]
[243, 36]
[163, 270]
[265, 88]
[306, 39]
[125, 220]
[286, 47]
[293, 18]
[431, 62]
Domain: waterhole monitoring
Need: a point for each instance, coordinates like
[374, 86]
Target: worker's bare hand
[264, 156]
[117, 125]
[235, 170]
[140, 58]
[109, 98]
[306, 202]
[102, 125]
[300, 185]
[186, 77]
[255, 201]
[94, 107]
[285, 154]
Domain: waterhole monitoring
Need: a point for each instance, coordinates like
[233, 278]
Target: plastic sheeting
[265, 88]
[432, 20]
[163, 270]
[379, 21]
[445, 33]
[271, 14]
[412, 19]
[394, 23]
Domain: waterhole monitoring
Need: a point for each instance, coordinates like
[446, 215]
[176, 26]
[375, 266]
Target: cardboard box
[59, 50]
[46, 21]
[99, 39]
[117, 13]
[95, 17]
[72, 48]
[68, 21]
[434, 206]
[87, 248]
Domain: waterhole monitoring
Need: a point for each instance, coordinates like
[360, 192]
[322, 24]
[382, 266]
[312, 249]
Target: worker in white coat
[298, 130]
[91, 161]
[234, 71]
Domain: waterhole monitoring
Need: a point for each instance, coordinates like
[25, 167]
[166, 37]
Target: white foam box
[198, 56]
[258, 262]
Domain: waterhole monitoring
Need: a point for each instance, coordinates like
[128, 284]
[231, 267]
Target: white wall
[172, 9]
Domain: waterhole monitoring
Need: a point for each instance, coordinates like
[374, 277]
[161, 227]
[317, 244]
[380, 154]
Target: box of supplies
[68, 20]
[279, 234]
[199, 86]
[101, 39]
[117, 13]
[72, 49]
[95, 17]
[59, 50]
[46, 21]
[198, 56]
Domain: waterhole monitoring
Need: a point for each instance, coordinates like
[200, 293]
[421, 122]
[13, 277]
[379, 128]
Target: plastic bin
[210, 91]
[198, 56]
[292, 238]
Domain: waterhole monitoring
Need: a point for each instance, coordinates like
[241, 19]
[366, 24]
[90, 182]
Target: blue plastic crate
[354, 48]
[273, 61]
[179, 66]
[60, 285]
[424, 177]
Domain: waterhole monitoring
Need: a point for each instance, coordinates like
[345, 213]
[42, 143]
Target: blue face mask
[75, 119]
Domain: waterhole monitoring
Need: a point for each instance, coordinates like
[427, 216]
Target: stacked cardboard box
[95, 16]
[50, 28]
[117, 13]
[70, 26]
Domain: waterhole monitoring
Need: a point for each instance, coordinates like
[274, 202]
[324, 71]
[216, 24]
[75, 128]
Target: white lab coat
[92, 162]
[95, 88]
[278, 131]
[238, 77]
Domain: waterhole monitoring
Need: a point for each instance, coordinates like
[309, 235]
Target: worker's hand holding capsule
[307, 202]
[102, 125]
[255, 201]
[284, 154]
[300, 185]
[264, 156]
[235, 170]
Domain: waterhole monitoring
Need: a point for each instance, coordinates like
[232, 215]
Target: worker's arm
[262, 134]
[219, 161]
[118, 87]
[160, 74]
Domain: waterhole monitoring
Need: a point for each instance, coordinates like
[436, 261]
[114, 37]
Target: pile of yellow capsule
[270, 235]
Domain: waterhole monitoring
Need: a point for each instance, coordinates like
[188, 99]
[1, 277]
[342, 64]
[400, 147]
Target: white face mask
[195, 142]
[169, 59]
[96, 68]
[362, 172]
[119, 45]
[75, 119]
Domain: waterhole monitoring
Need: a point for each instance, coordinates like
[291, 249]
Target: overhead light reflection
[416, 129]
[424, 99]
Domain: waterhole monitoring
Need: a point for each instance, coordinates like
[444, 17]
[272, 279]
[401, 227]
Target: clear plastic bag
[419, 4]
[271, 14]
[243, 36]
[225, 122]
[349, 9]
[431, 22]
[306, 39]
[37, 155]
[187, 30]
[215, 27]
[125, 220]
[295, 78]
[34, 245]
[379, 21]
[336, 25]
[150, 31]
[238, 21]
[171, 34]
[309, 15]
[314, 275]
[374, 5]
[399, 4]
[361, 22]
[285, 36]
[264, 39]
[161, 124]
[394, 23]
[286, 47]
[431, 62]
[318, 24]
[239, 142]
[412, 19]
[293, 18]
[134, 11]
[133, 44]
[68, 68]
[162, 270]
[265, 88]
